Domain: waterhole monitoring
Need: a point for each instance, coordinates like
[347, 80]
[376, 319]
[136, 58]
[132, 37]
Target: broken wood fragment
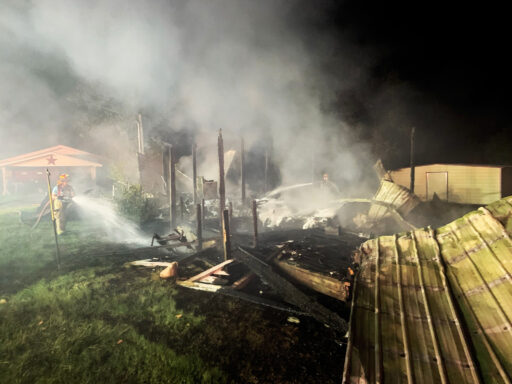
[170, 271]
[244, 281]
[318, 282]
[255, 223]
[210, 271]
[226, 235]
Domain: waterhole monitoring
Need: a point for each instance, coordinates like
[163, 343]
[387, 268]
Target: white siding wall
[466, 184]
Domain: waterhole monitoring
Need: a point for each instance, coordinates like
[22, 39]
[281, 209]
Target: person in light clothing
[62, 194]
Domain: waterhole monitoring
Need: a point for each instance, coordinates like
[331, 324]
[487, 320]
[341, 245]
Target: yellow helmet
[63, 176]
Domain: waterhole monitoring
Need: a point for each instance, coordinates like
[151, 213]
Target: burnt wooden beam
[165, 168]
[182, 209]
[203, 212]
[199, 227]
[226, 235]
[194, 171]
[313, 280]
[173, 187]
[209, 271]
[222, 187]
[290, 293]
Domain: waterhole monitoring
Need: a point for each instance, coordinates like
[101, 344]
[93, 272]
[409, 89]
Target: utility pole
[411, 188]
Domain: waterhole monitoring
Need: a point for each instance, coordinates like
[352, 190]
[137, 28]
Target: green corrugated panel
[418, 296]
[403, 324]
[477, 250]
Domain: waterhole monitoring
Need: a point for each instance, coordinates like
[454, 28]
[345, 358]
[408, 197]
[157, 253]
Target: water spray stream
[118, 228]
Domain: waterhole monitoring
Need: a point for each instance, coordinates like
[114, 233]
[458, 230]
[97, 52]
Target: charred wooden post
[166, 155]
[411, 188]
[242, 169]
[140, 134]
[230, 208]
[194, 171]
[222, 187]
[182, 209]
[199, 227]
[255, 223]
[226, 235]
[203, 212]
[173, 188]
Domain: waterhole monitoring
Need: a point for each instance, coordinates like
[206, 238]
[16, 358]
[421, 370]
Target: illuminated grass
[96, 321]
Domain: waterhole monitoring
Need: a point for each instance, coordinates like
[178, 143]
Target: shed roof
[405, 325]
[456, 165]
[57, 156]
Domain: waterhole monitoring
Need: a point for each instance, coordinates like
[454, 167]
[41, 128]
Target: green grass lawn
[97, 321]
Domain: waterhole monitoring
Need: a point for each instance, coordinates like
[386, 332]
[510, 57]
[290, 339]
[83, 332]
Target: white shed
[458, 183]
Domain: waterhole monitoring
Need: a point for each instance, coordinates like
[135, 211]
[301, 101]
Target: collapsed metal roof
[435, 306]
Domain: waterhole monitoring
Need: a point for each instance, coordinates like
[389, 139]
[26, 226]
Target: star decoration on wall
[51, 160]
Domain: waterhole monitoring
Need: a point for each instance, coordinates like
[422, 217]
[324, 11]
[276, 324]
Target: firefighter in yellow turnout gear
[62, 194]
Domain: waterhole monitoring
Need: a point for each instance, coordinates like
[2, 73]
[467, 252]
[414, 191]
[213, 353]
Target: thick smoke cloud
[248, 67]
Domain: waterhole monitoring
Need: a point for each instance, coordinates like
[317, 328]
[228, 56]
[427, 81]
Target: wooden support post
[199, 227]
[194, 171]
[230, 207]
[265, 188]
[203, 212]
[242, 169]
[166, 155]
[226, 236]
[182, 209]
[140, 131]
[222, 187]
[173, 188]
[255, 223]
[411, 188]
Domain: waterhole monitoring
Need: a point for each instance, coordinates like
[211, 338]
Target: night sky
[454, 58]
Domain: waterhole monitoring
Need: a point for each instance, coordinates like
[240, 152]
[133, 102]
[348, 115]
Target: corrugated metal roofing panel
[435, 306]
[398, 197]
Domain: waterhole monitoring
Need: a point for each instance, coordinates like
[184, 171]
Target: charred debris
[258, 248]
[405, 300]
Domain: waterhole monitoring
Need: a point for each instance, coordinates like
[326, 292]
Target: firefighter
[62, 194]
